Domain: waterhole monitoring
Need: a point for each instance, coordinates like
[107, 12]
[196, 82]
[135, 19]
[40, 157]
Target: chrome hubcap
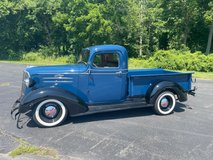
[164, 102]
[50, 111]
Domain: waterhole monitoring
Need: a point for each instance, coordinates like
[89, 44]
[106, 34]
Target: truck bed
[140, 80]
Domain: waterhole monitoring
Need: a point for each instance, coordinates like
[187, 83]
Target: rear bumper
[182, 97]
[192, 91]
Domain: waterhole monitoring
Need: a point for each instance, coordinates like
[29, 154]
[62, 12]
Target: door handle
[119, 72]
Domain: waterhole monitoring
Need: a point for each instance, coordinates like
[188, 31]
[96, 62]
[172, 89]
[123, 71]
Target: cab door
[107, 79]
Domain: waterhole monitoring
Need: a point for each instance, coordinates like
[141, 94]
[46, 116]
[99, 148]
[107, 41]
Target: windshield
[84, 56]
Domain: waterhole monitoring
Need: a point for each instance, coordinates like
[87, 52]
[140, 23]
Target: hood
[77, 68]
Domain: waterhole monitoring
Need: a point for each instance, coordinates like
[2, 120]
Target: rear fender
[73, 103]
[158, 87]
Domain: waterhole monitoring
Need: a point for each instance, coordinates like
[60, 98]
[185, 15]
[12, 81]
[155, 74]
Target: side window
[106, 60]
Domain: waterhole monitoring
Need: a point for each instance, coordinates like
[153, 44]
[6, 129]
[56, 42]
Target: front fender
[73, 103]
[158, 87]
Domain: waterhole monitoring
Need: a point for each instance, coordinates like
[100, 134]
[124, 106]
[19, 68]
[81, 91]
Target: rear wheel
[50, 113]
[165, 103]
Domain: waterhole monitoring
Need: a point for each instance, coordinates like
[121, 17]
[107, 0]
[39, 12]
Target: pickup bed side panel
[141, 80]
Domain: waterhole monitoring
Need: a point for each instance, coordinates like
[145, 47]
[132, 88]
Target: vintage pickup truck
[100, 81]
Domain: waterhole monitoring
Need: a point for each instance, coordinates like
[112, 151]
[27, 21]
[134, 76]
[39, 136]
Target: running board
[115, 107]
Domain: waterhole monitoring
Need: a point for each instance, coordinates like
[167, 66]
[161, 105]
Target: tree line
[64, 27]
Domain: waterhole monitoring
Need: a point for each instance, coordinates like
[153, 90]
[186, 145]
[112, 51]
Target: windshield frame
[84, 56]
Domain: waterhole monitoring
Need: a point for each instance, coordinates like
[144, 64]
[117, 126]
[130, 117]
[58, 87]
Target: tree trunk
[208, 48]
[141, 23]
[186, 29]
[141, 49]
[185, 35]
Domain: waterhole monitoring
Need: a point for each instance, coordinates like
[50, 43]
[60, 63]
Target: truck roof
[109, 47]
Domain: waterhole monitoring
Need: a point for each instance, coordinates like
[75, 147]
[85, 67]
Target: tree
[84, 23]
[151, 25]
[126, 26]
[154, 23]
[62, 27]
[209, 20]
[181, 16]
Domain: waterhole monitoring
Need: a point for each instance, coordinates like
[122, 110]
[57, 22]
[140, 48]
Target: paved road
[131, 134]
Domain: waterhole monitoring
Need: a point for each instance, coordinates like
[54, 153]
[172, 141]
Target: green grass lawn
[203, 75]
[27, 148]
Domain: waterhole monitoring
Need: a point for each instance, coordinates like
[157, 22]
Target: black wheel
[165, 103]
[50, 113]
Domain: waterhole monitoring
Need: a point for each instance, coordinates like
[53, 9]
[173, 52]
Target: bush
[40, 58]
[182, 60]
[169, 59]
[209, 65]
[176, 60]
[71, 59]
[32, 56]
[48, 51]
[165, 59]
[11, 55]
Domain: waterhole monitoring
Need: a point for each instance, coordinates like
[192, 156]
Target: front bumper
[19, 108]
[16, 112]
[15, 109]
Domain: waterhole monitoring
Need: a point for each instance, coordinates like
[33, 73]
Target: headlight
[29, 82]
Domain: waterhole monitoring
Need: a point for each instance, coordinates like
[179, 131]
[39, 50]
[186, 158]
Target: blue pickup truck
[99, 82]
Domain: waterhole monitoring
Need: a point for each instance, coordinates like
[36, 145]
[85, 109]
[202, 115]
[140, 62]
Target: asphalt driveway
[129, 134]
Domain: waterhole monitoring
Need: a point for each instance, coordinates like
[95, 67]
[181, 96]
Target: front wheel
[50, 113]
[165, 103]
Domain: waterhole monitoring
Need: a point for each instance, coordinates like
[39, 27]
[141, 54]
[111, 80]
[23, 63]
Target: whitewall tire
[50, 113]
[165, 103]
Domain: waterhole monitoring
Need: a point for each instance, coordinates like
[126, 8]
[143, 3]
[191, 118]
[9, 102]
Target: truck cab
[99, 81]
[107, 74]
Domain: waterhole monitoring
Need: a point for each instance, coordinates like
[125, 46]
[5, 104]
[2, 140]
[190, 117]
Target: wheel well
[160, 87]
[71, 106]
[37, 101]
[152, 100]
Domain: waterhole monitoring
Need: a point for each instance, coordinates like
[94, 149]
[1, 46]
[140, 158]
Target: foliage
[167, 59]
[60, 27]
[181, 17]
[140, 63]
[176, 60]
[209, 13]
[11, 55]
[71, 59]
[26, 148]
[48, 51]
[32, 56]
[42, 58]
